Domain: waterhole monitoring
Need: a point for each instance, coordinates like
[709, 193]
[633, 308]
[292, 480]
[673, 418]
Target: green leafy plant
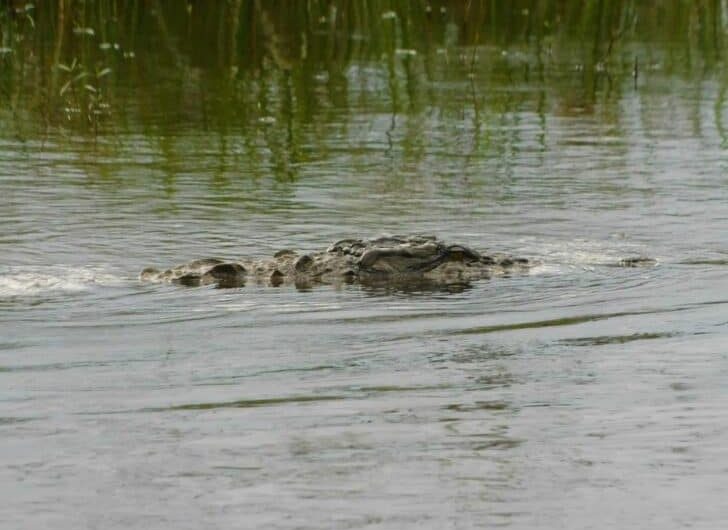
[81, 94]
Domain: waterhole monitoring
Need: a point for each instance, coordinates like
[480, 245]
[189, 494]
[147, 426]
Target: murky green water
[580, 395]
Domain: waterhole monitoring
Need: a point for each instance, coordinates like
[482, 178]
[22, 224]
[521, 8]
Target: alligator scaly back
[390, 259]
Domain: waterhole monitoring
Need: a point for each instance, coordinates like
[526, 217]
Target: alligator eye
[462, 253]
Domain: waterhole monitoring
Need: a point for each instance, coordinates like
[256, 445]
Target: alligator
[396, 261]
[388, 260]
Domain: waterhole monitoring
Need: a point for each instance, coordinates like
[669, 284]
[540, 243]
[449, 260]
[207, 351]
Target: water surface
[579, 395]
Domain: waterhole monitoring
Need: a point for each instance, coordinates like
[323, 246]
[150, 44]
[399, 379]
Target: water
[580, 395]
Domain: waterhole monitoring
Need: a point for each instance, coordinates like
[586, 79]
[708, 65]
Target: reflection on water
[579, 395]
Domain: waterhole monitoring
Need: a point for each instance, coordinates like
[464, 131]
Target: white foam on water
[545, 269]
[581, 253]
[36, 280]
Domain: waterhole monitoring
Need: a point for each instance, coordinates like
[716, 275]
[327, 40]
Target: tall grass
[87, 65]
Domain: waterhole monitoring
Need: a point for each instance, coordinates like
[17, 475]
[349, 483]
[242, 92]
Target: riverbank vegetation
[98, 67]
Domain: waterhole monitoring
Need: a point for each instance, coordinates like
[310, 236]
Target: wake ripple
[36, 280]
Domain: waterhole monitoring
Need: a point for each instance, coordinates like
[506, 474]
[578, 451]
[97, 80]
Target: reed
[98, 65]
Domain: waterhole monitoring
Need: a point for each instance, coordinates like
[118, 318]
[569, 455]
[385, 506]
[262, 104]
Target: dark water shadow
[420, 286]
[719, 262]
[615, 339]
[245, 403]
[4, 421]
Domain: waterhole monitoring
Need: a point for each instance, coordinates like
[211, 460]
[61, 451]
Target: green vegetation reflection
[274, 85]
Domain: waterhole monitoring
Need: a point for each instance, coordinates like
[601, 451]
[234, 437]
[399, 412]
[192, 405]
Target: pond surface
[579, 395]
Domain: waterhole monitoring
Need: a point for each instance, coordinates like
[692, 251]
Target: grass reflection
[276, 85]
